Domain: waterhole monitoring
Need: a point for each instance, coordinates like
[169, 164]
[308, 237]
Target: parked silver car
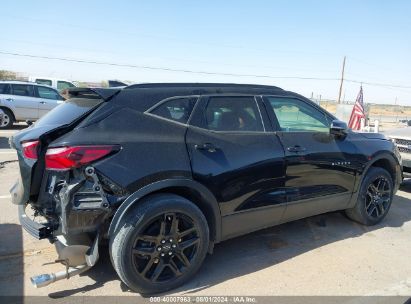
[1, 116]
[402, 138]
[26, 101]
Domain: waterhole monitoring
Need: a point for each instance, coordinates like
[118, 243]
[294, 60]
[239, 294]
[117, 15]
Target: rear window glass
[68, 111]
[233, 114]
[178, 109]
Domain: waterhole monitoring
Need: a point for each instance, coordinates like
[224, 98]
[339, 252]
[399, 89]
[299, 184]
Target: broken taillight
[30, 149]
[65, 158]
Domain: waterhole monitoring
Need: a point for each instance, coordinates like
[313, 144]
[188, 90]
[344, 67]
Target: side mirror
[338, 128]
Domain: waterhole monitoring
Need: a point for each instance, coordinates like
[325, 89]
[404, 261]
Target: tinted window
[296, 115]
[4, 88]
[22, 89]
[233, 114]
[62, 85]
[178, 109]
[68, 111]
[48, 93]
[44, 81]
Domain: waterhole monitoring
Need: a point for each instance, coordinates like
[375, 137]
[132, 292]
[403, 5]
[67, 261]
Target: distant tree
[7, 75]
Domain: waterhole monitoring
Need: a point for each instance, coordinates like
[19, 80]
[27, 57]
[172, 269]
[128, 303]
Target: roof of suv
[149, 94]
[201, 85]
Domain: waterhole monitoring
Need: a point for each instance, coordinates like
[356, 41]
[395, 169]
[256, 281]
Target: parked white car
[58, 84]
[402, 138]
[26, 101]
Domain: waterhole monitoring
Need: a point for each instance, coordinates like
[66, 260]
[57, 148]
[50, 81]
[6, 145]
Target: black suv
[166, 171]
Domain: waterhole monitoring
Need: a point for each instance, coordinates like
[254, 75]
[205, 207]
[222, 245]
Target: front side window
[48, 93]
[294, 115]
[233, 114]
[44, 81]
[178, 109]
[22, 89]
[62, 85]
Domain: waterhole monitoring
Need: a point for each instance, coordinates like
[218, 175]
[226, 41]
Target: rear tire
[160, 244]
[8, 119]
[374, 198]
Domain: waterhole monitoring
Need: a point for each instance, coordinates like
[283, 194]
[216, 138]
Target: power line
[159, 68]
[197, 72]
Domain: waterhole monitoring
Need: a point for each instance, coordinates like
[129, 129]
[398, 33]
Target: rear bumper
[35, 229]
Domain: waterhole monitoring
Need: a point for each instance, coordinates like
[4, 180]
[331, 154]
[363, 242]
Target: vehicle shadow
[11, 262]
[4, 143]
[256, 251]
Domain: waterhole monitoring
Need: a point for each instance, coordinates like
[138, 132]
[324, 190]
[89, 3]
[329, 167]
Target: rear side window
[4, 88]
[44, 81]
[178, 109]
[48, 93]
[22, 89]
[233, 114]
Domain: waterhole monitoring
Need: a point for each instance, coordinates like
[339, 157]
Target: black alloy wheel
[374, 197]
[165, 247]
[378, 197]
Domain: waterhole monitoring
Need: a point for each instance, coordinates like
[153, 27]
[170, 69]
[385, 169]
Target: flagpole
[342, 80]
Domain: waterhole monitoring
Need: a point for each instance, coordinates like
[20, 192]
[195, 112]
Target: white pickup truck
[58, 84]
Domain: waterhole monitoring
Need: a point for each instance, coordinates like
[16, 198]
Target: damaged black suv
[166, 171]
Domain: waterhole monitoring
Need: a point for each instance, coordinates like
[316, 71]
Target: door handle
[43, 102]
[207, 147]
[296, 148]
[9, 99]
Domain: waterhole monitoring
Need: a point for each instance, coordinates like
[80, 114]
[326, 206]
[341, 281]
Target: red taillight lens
[66, 158]
[30, 149]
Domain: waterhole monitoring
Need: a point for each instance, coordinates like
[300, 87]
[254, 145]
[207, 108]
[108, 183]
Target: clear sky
[279, 39]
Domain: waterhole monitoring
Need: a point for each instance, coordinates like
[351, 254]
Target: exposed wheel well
[387, 165]
[196, 198]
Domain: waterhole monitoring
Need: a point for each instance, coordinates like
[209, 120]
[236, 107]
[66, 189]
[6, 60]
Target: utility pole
[342, 80]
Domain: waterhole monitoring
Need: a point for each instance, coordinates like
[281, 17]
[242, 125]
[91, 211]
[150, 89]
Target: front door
[47, 99]
[319, 173]
[238, 161]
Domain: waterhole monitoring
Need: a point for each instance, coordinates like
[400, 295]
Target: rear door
[319, 173]
[47, 99]
[24, 104]
[232, 155]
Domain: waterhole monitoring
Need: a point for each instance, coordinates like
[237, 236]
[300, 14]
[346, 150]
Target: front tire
[374, 198]
[160, 244]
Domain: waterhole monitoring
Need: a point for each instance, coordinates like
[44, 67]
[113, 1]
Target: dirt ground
[326, 255]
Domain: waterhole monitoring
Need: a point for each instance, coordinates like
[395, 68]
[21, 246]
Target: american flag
[357, 112]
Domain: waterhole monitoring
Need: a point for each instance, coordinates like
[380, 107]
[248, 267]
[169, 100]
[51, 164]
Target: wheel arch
[386, 160]
[189, 189]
